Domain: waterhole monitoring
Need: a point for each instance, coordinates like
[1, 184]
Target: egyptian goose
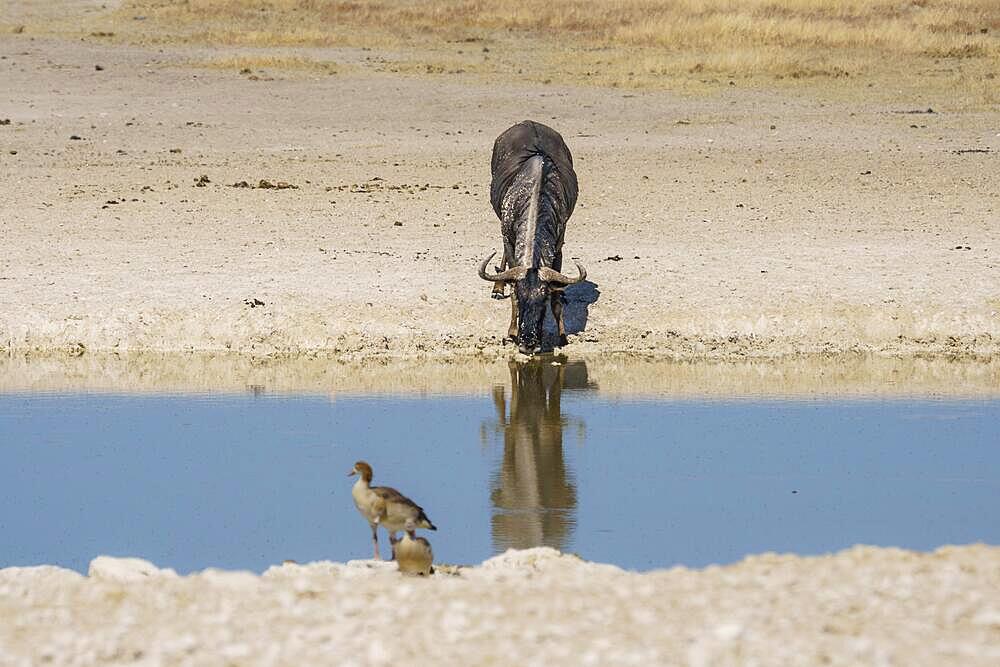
[413, 554]
[385, 506]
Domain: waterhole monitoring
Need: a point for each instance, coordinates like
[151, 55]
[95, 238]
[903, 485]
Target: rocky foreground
[864, 605]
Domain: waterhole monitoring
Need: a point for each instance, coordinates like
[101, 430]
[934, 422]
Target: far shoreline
[626, 375]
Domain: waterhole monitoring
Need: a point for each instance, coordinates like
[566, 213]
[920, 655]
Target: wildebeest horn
[552, 276]
[510, 274]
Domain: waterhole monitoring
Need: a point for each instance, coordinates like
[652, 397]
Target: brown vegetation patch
[921, 27]
[628, 43]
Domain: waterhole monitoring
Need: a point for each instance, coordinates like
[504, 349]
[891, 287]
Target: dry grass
[937, 28]
[625, 42]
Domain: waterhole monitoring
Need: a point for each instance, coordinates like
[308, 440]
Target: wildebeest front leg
[498, 287]
[512, 329]
[557, 301]
[557, 298]
[504, 265]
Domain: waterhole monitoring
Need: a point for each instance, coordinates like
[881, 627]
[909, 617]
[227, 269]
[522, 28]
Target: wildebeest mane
[536, 193]
[533, 177]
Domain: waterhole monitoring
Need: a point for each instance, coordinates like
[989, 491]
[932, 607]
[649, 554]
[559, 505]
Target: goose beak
[352, 473]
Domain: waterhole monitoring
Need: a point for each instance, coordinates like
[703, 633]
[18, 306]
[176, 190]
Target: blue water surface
[246, 481]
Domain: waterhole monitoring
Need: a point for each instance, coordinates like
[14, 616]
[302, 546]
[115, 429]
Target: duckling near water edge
[413, 554]
[385, 506]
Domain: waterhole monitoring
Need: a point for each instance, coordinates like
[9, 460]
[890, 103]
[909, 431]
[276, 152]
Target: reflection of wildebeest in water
[533, 192]
[533, 495]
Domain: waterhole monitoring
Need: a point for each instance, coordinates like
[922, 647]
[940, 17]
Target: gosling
[385, 506]
[413, 554]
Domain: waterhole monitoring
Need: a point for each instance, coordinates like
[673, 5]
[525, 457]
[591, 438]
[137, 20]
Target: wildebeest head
[532, 298]
[532, 288]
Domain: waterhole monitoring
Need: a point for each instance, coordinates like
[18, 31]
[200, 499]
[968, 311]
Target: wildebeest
[533, 192]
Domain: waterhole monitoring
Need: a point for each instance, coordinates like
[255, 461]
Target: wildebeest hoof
[562, 341]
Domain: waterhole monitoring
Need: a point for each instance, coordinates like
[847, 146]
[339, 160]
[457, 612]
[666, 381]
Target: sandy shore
[840, 376]
[861, 606]
[745, 223]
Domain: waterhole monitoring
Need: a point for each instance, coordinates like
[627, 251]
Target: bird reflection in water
[533, 494]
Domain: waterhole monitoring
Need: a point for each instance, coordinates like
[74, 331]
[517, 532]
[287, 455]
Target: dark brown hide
[533, 192]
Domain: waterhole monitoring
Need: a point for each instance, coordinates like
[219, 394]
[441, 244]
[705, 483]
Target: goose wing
[391, 496]
[387, 495]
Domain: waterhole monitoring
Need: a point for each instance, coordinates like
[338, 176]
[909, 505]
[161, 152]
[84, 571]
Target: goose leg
[392, 543]
[375, 540]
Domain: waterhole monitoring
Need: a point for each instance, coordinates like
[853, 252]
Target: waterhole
[531, 454]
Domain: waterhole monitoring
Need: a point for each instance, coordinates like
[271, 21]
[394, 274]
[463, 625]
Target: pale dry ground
[834, 231]
[862, 606]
